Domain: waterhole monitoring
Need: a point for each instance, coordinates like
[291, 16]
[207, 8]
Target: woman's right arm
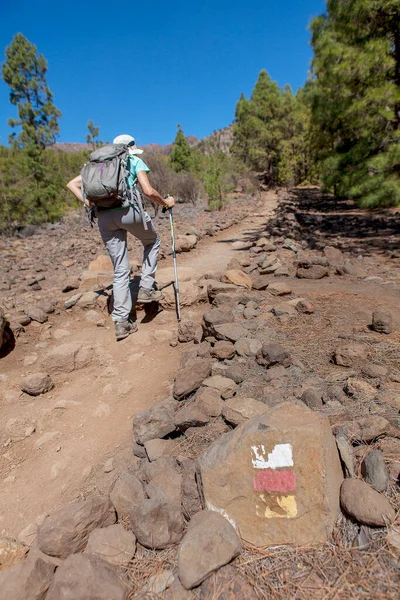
[151, 193]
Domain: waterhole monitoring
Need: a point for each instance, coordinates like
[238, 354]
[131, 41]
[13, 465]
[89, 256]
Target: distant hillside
[218, 140]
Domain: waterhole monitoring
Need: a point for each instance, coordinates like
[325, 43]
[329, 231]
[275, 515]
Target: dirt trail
[62, 440]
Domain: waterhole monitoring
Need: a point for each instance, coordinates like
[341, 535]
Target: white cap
[129, 141]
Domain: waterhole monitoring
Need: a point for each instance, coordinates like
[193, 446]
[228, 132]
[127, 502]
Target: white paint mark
[221, 511]
[281, 456]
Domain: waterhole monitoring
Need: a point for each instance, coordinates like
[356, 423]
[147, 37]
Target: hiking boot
[146, 295]
[124, 328]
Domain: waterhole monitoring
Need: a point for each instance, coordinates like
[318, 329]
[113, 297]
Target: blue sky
[142, 68]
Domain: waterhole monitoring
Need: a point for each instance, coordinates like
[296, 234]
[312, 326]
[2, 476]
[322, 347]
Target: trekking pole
[176, 284]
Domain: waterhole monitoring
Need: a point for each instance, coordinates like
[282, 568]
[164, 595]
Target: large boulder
[84, 577]
[210, 543]
[276, 478]
[67, 530]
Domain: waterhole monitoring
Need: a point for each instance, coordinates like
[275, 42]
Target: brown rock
[273, 354]
[314, 272]
[67, 358]
[214, 317]
[126, 494]
[155, 449]
[238, 277]
[26, 581]
[367, 429]
[225, 386]
[230, 332]
[166, 487]
[36, 314]
[190, 378]
[66, 531]
[189, 291]
[366, 505]
[382, 321]
[155, 422]
[223, 350]
[312, 398]
[334, 256]
[279, 288]
[239, 410]
[238, 475]
[85, 577]
[190, 331]
[360, 389]
[227, 584]
[261, 282]
[114, 544]
[190, 416]
[36, 384]
[349, 355]
[156, 524]
[191, 501]
[248, 347]
[102, 264]
[302, 305]
[208, 400]
[210, 543]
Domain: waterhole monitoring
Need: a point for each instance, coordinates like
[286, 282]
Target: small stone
[190, 416]
[114, 544]
[273, 354]
[238, 277]
[312, 397]
[36, 314]
[279, 288]
[155, 422]
[155, 449]
[346, 454]
[349, 355]
[109, 465]
[236, 373]
[261, 282]
[382, 321]
[72, 301]
[248, 347]
[157, 584]
[190, 331]
[230, 332]
[239, 410]
[126, 494]
[223, 350]
[365, 504]
[11, 553]
[189, 379]
[36, 384]
[367, 429]
[314, 272]
[227, 387]
[208, 401]
[191, 502]
[157, 524]
[374, 470]
[210, 543]
[304, 306]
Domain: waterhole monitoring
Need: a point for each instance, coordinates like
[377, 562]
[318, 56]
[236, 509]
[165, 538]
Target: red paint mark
[275, 481]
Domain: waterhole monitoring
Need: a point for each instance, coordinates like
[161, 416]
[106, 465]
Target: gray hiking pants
[113, 226]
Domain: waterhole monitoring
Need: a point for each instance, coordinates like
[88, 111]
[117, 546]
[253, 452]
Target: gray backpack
[104, 177]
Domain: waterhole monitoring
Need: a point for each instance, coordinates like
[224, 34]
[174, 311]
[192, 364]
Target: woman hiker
[113, 226]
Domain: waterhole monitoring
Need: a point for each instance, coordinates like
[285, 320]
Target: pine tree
[356, 98]
[181, 154]
[25, 72]
[32, 192]
[92, 136]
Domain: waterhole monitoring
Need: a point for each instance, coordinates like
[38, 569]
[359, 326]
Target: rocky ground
[272, 441]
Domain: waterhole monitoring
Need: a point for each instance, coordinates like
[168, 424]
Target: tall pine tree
[25, 72]
[356, 98]
[181, 154]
